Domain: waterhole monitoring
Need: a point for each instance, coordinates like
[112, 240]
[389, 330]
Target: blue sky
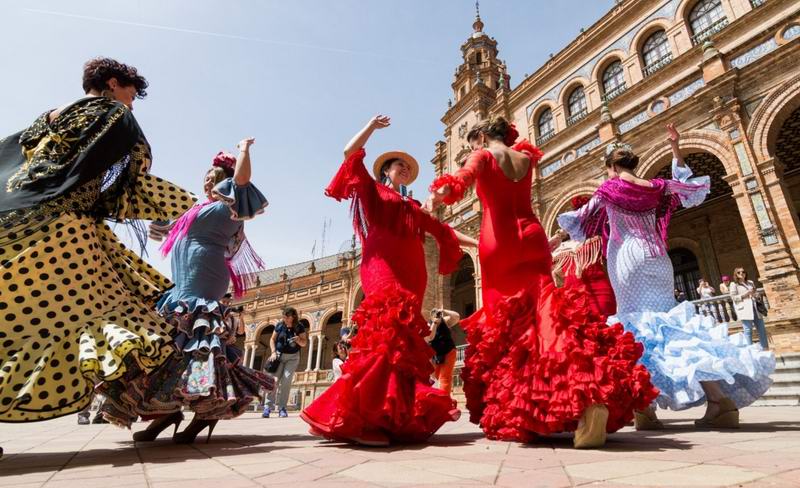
[300, 76]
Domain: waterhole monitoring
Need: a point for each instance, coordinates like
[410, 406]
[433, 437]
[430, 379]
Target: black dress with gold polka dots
[76, 306]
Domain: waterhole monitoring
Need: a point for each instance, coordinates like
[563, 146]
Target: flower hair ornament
[618, 145]
[226, 161]
[511, 135]
[579, 201]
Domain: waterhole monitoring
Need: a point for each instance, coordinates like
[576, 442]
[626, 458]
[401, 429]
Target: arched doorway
[716, 226]
[787, 150]
[462, 295]
[330, 337]
[687, 272]
[301, 366]
[263, 350]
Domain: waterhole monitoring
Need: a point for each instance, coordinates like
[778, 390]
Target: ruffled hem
[683, 349]
[350, 174]
[534, 153]
[456, 185]
[538, 359]
[385, 386]
[245, 202]
[206, 375]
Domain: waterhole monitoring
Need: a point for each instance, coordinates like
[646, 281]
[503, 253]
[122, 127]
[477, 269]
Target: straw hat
[414, 166]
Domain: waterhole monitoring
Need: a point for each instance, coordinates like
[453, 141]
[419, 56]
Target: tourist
[288, 338]
[749, 306]
[692, 362]
[209, 253]
[77, 304]
[724, 287]
[340, 351]
[444, 348]
[705, 290]
[539, 360]
[386, 394]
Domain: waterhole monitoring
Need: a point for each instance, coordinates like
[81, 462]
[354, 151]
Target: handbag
[272, 366]
[761, 306]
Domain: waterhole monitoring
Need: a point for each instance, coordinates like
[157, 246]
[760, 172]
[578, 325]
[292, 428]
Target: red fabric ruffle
[538, 359]
[450, 252]
[456, 185]
[534, 153]
[385, 386]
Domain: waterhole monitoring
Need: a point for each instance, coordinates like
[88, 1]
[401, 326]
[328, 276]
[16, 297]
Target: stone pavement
[253, 452]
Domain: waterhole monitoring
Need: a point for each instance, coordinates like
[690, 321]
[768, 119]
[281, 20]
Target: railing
[721, 307]
[657, 65]
[574, 119]
[757, 3]
[615, 92]
[545, 137]
[709, 31]
[460, 353]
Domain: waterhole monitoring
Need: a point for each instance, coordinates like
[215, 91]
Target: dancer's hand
[673, 136]
[380, 122]
[244, 144]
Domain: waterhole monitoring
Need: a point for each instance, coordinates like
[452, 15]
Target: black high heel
[157, 426]
[196, 426]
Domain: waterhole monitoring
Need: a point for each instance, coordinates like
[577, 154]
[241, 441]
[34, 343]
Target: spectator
[679, 295]
[340, 352]
[745, 301]
[705, 290]
[286, 341]
[444, 348]
[724, 287]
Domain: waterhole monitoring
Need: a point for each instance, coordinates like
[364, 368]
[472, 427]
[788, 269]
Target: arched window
[706, 18]
[655, 52]
[613, 80]
[577, 105]
[545, 126]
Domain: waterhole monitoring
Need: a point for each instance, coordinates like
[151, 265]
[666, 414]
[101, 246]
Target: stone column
[252, 360]
[319, 352]
[245, 353]
[310, 352]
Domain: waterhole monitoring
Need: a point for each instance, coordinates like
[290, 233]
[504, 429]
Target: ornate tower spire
[477, 26]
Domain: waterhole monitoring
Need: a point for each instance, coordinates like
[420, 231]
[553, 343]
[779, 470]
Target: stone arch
[562, 203]
[767, 120]
[645, 32]
[709, 272]
[265, 324]
[569, 86]
[355, 298]
[327, 314]
[533, 122]
[686, 6]
[700, 140]
[312, 324]
[605, 61]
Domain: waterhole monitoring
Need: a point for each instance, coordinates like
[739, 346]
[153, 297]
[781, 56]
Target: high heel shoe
[645, 420]
[196, 426]
[157, 426]
[591, 430]
[726, 418]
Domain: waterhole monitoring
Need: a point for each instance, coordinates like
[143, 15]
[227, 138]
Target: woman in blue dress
[209, 251]
[690, 359]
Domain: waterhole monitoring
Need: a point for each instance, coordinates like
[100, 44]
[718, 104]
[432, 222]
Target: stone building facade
[726, 71]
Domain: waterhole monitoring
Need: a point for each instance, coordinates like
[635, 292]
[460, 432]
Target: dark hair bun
[97, 72]
[624, 158]
[496, 127]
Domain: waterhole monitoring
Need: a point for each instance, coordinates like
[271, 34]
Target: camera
[237, 309]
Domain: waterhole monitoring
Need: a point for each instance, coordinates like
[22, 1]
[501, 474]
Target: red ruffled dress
[385, 387]
[583, 262]
[538, 355]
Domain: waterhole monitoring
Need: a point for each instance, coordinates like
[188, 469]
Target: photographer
[444, 348]
[286, 341]
[340, 352]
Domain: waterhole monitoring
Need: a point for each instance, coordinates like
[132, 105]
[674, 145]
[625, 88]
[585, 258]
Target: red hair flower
[579, 201]
[226, 161]
[511, 135]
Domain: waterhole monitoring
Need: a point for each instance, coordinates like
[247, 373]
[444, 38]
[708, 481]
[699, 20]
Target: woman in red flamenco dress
[539, 360]
[583, 261]
[385, 393]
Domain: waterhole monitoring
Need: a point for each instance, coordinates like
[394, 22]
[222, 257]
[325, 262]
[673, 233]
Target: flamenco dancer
[539, 359]
[77, 305]
[583, 261]
[691, 361]
[209, 250]
[384, 394]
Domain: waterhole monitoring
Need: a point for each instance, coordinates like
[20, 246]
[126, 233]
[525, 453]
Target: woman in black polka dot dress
[208, 251]
[76, 306]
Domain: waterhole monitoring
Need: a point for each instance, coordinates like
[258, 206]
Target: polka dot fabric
[75, 304]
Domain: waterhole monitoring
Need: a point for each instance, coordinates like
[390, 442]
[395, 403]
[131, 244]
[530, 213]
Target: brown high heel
[591, 432]
[157, 426]
[196, 426]
[643, 420]
[726, 418]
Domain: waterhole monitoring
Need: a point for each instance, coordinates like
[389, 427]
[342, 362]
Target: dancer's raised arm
[674, 138]
[359, 140]
[242, 172]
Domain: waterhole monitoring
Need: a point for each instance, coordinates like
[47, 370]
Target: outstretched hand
[673, 136]
[380, 121]
[245, 144]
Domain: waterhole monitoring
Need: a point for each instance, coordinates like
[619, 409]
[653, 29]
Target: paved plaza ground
[253, 452]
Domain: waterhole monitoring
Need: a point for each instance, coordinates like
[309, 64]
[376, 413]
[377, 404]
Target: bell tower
[480, 64]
